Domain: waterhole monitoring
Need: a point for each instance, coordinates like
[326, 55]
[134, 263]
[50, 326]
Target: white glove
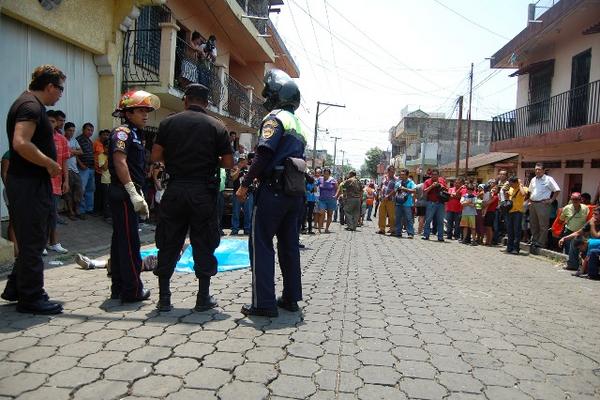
[139, 204]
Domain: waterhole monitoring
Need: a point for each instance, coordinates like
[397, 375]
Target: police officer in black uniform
[126, 163]
[275, 212]
[193, 145]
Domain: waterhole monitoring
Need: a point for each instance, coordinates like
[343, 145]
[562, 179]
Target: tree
[328, 160]
[373, 157]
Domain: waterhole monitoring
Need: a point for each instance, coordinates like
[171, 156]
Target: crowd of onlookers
[500, 212]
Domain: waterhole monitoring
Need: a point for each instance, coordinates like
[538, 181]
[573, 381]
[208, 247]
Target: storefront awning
[530, 68]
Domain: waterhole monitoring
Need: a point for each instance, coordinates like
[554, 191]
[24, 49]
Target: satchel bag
[293, 176]
[507, 205]
[444, 196]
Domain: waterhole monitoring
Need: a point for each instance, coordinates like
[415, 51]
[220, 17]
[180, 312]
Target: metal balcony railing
[190, 67]
[256, 8]
[258, 112]
[237, 101]
[141, 58]
[577, 107]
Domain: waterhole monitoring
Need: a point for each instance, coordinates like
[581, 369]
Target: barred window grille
[574, 164]
[540, 89]
[147, 37]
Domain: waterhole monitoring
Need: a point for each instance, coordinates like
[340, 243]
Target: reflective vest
[291, 124]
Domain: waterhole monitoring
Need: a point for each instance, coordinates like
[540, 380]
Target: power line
[471, 21]
[352, 49]
[382, 48]
[333, 48]
[316, 39]
[302, 44]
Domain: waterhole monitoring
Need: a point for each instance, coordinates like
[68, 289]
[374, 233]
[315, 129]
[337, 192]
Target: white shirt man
[543, 190]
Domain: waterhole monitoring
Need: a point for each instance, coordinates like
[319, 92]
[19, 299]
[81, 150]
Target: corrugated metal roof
[480, 160]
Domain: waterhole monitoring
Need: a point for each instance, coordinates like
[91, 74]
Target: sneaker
[45, 252]
[424, 238]
[515, 252]
[411, 237]
[58, 248]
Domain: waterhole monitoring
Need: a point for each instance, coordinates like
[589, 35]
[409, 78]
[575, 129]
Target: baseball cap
[196, 90]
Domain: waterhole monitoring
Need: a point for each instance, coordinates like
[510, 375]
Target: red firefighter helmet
[136, 99]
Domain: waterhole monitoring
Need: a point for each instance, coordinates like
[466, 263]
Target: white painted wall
[23, 48]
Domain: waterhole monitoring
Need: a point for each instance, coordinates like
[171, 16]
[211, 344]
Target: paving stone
[377, 392]
[156, 386]
[52, 365]
[104, 335]
[20, 383]
[9, 368]
[542, 390]
[102, 359]
[305, 350]
[410, 353]
[379, 375]
[243, 390]
[194, 350]
[494, 377]
[17, 343]
[292, 386]
[460, 382]
[416, 369]
[553, 367]
[149, 354]
[235, 345]
[32, 354]
[503, 393]
[47, 392]
[80, 349]
[255, 372]
[146, 332]
[265, 354]
[192, 394]
[102, 390]
[207, 378]
[223, 360]
[422, 388]
[299, 366]
[125, 344]
[211, 337]
[168, 340]
[43, 331]
[128, 371]
[74, 377]
[524, 372]
[176, 366]
[270, 340]
[450, 364]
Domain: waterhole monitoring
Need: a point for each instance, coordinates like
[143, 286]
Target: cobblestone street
[383, 318]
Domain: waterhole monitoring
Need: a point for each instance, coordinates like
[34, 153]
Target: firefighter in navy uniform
[126, 163]
[275, 213]
[193, 145]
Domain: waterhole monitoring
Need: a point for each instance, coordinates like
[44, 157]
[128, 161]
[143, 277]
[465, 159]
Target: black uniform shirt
[192, 141]
[126, 139]
[28, 108]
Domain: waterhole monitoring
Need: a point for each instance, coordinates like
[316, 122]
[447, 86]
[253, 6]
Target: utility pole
[317, 126]
[335, 138]
[459, 134]
[469, 122]
[343, 155]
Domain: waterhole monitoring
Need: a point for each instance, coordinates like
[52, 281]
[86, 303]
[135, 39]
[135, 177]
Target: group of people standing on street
[194, 147]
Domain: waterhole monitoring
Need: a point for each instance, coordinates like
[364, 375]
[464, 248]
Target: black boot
[204, 301]
[164, 295]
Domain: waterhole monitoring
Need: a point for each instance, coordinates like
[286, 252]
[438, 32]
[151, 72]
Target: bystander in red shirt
[434, 194]
[62, 155]
[453, 205]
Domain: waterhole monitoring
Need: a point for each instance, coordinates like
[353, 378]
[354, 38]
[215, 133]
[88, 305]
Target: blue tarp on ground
[231, 254]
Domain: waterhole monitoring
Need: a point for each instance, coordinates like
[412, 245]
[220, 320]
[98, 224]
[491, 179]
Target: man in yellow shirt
[514, 222]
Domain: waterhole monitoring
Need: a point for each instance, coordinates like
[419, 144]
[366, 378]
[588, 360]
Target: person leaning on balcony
[193, 145]
[543, 191]
[207, 54]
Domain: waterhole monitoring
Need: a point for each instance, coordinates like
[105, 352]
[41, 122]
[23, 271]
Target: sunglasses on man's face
[59, 87]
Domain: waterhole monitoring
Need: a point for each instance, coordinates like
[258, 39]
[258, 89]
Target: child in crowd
[469, 213]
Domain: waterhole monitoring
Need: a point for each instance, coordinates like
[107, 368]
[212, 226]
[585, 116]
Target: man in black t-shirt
[86, 165]
[32, 163]
[193, 145]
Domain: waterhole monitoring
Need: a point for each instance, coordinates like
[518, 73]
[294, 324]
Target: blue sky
[378, 56]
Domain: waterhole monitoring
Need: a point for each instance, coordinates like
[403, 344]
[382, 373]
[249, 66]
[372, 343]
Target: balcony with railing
[159, 61]
[577, 107]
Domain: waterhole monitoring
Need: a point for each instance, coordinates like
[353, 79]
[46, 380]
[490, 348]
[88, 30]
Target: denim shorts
[328, 204]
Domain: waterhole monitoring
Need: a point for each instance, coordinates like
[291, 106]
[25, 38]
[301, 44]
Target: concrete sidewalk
[383, 318]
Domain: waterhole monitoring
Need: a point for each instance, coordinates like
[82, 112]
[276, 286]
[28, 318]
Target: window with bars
[540, 90]
[574, 164]
[147, 37]
[596, 163]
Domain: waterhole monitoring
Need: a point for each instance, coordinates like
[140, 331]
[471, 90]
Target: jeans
[514, 228]
[435, 211]
[453, 224]
[594, 264]
[369, 211]
[404, 216]
[235, 216]
[88, 185]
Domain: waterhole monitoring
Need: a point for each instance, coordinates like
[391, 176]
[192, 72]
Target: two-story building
[557, 116]
[108, 46]
[427, 140]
